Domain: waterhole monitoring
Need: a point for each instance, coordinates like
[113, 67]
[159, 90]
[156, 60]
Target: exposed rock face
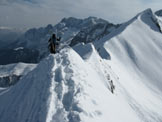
[92, 33]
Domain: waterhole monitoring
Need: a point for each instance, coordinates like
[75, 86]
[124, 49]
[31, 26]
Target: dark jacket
[52, 43]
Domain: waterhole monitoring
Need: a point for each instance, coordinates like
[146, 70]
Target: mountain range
[34, 42]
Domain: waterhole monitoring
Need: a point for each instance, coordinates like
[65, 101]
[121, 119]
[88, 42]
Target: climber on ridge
[53, 43]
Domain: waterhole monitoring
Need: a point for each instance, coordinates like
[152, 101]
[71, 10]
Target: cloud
[35, 13]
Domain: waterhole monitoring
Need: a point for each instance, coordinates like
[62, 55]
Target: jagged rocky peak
[71, 21]
[95, 20]
[47, 29]
[49, 26]
[94, 28]
[38, 31]
[159, 13]
[79, 23]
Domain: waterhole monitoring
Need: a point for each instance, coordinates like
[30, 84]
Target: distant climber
[53, 43]
[112, 86]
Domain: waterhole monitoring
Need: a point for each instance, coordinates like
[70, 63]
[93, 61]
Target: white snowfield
[74, 85]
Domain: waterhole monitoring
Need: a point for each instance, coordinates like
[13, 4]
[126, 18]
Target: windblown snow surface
[74, 85]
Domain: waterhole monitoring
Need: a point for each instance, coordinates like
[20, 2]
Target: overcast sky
[36, 13]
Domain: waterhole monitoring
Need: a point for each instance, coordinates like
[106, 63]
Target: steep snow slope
[136, 55]
[65, 88]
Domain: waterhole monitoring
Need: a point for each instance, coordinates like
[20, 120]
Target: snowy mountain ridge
[63, 96]
[75, 85]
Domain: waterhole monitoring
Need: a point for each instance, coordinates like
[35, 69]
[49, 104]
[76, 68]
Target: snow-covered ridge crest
[147, 14]
[149, 18]
[63, 88]
[136, 59]
[146, 17]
